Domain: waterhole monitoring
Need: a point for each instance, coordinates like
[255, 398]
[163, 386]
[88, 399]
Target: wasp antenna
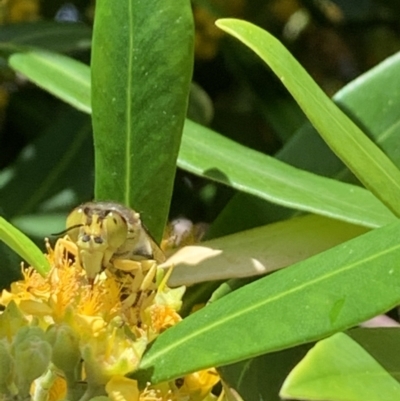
[68, 229]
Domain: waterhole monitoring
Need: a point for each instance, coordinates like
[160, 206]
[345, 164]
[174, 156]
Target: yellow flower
[58, 390]
[111, 353]
[85, 337]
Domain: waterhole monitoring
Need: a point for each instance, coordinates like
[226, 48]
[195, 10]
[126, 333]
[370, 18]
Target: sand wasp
[108, 234]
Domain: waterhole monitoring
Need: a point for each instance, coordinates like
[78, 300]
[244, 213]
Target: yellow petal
[120, 388]
[31, 307]
[199, 384]
[58, 390]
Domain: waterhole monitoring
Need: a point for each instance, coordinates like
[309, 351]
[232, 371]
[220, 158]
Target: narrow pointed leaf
[60, 75]
[268, 178]
[141, 70]
[310, 300]
[371, 166]
[372, 100]
[339, 369]
[23, 246]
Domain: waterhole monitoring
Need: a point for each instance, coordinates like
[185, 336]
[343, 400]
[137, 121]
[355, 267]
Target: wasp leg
[148, 285]
[130, 274]
[63, 247]
[127, 265]
[138, 283]
[148, 282]
[143, 273]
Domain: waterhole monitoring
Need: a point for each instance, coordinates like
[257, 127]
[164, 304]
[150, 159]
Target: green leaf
[338, 369]
[49, 35]
[23, 246]
[248, 170]
[142, 57]
[258, 251]
[372, 101]
[307, 301]
[356, 150]
[62, 76]
[208, 154]
[271, 369]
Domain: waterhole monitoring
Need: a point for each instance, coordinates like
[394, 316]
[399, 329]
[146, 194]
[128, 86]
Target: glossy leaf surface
[382, 343]
[23, 246]
[357, 151]
[206, 153]
[339, 369]
[302, 303]
[372, 101]
[60, 75]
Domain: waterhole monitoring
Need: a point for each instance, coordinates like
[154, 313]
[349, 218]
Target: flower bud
[6, 369]
[32, 355]
[65, 343]
[11, 320]
[111, 353]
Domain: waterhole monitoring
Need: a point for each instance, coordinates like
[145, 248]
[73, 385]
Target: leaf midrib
[223, 157]
[128, 140]
[252, 307]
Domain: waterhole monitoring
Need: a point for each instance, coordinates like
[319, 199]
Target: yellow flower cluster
[61, 337]
[12, 11]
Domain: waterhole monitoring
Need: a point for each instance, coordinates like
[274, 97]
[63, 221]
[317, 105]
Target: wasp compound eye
[75, 220]
[116, 229]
